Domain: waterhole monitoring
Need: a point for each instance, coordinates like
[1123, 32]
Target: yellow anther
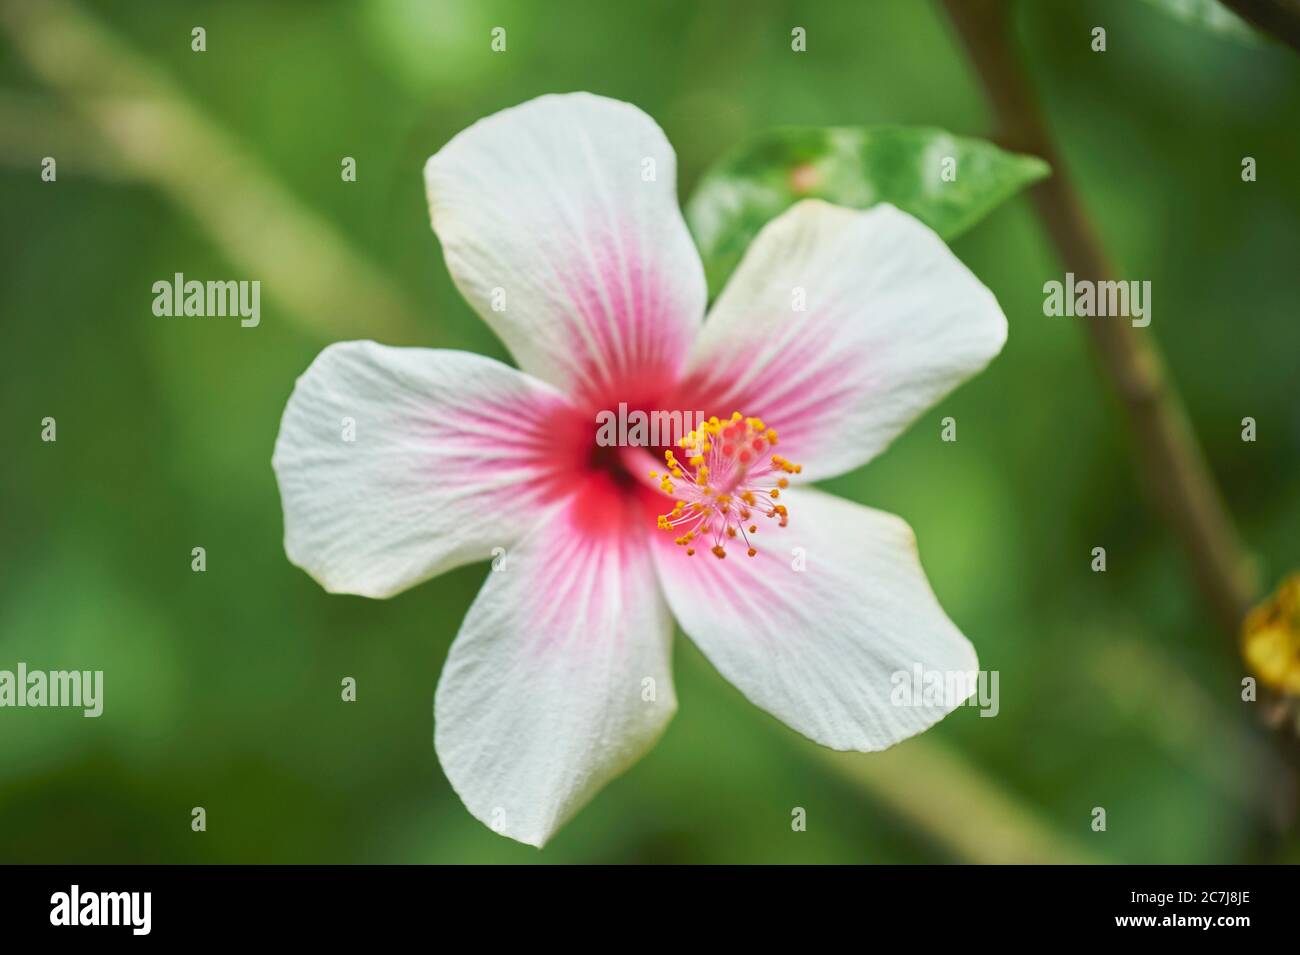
[746, 482]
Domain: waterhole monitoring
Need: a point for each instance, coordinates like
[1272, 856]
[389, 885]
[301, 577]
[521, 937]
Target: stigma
[729, 480]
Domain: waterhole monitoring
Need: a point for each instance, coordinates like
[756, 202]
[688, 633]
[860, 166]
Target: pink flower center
[729, 480]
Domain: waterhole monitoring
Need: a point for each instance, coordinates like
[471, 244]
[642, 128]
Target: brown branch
[1280, 19]
[1172, 462]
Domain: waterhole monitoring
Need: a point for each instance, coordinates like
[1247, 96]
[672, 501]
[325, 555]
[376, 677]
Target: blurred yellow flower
[1270, 638]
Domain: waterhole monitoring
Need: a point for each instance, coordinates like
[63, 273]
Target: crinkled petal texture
[560, 225]
[838, 328]
[815, 627]
[396, 464]
[560, 677]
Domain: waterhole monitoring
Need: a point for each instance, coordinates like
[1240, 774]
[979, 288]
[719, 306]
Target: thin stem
[33, 127]
[929, 784]
[1172, 462]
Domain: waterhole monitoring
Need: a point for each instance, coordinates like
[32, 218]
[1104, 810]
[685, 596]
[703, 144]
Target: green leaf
[849, 166]
[1211, 16]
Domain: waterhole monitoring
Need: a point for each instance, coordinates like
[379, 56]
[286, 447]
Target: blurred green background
[222, 689]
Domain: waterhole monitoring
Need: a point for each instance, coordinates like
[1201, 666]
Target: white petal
[565, 209]
[822, 648]
[560, 677]
[448, 458]
[890, 321]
